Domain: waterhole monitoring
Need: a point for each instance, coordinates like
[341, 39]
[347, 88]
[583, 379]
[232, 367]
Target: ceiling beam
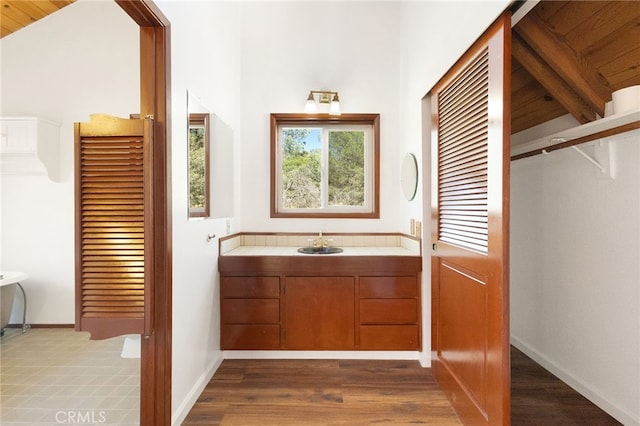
[566, 62]
[551, 81]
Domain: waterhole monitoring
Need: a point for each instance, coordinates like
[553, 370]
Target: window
[325, 166]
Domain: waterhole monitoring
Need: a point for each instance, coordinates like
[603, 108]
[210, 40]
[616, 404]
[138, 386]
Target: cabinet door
[244, 311]
[319, 313]
[257, 287]
[389, 337]
[381, 287]
[388, 311]
[250, 312]
[250, 336]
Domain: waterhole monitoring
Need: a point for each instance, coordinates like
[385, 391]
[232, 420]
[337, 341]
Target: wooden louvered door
[113, 234]
[470, 156]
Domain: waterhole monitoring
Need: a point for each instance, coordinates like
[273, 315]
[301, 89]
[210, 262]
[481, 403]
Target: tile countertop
[346, 251]
[254, 244]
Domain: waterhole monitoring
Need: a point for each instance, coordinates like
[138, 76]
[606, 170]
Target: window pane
[301, 171]
[346, 168]
[197, 186]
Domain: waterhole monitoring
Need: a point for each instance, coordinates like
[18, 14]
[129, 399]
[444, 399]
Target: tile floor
[58, 376]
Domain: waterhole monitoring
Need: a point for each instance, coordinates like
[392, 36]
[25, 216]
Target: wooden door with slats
[470, 168]
[113, 226]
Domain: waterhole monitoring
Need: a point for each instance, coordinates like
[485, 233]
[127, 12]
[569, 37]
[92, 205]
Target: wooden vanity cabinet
[319, 313]
[327, 303]
[389, 312]
[250, 312]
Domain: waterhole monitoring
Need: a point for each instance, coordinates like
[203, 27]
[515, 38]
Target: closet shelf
[602, 128]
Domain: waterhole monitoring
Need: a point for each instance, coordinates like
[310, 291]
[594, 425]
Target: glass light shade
[334, 109]
[310, 107]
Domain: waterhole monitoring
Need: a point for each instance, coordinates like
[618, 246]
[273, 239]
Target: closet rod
[577, 141]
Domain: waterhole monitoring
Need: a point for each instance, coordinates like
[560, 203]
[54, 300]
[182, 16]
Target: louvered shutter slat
[462, 157]
[111, 231]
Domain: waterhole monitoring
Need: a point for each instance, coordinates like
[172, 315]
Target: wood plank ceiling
[16, 14]
[568, 56]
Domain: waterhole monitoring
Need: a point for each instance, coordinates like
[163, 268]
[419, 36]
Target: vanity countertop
[353, 245]
[346, 251]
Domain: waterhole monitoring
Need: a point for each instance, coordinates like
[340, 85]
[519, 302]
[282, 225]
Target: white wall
[62, 68]
[289, 48]
[205, 58]
[381, 56]
[575, 274]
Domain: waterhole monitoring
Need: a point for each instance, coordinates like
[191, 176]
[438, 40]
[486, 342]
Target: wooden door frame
[155, 95]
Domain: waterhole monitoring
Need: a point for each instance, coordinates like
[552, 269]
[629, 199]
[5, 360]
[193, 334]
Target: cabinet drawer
[372, 287]
[388, 311]
[259, 336]
[389, 337]
[250, 287]
[250, 310]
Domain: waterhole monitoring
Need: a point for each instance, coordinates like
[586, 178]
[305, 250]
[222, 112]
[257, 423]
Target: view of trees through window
[306, 152]
[197, 174]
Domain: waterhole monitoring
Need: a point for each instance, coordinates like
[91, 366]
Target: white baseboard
[181, 412]
[425, 359]
[620, 414]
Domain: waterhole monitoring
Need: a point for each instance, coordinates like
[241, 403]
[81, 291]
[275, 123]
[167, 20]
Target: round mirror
[409, 178]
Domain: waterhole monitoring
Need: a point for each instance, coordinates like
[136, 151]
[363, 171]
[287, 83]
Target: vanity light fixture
[324, 97]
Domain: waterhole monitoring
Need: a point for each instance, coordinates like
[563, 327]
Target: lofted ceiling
[16, 14]
[568, 56]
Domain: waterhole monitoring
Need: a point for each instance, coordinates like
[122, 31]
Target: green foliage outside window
[302, 169]
[197, 187]
[346, 168]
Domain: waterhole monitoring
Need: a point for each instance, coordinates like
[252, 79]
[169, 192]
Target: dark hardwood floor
[321, 392]
[540, 398]
[351, 392]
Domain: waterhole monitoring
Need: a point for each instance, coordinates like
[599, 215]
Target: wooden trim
[294, 118]
[144, 12]
[319, 266]
[577, 141]
[77, 208]
[202, 119]
[155, 93]
[501, 362]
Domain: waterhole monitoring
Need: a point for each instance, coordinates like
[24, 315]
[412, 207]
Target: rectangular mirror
[198, 124]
